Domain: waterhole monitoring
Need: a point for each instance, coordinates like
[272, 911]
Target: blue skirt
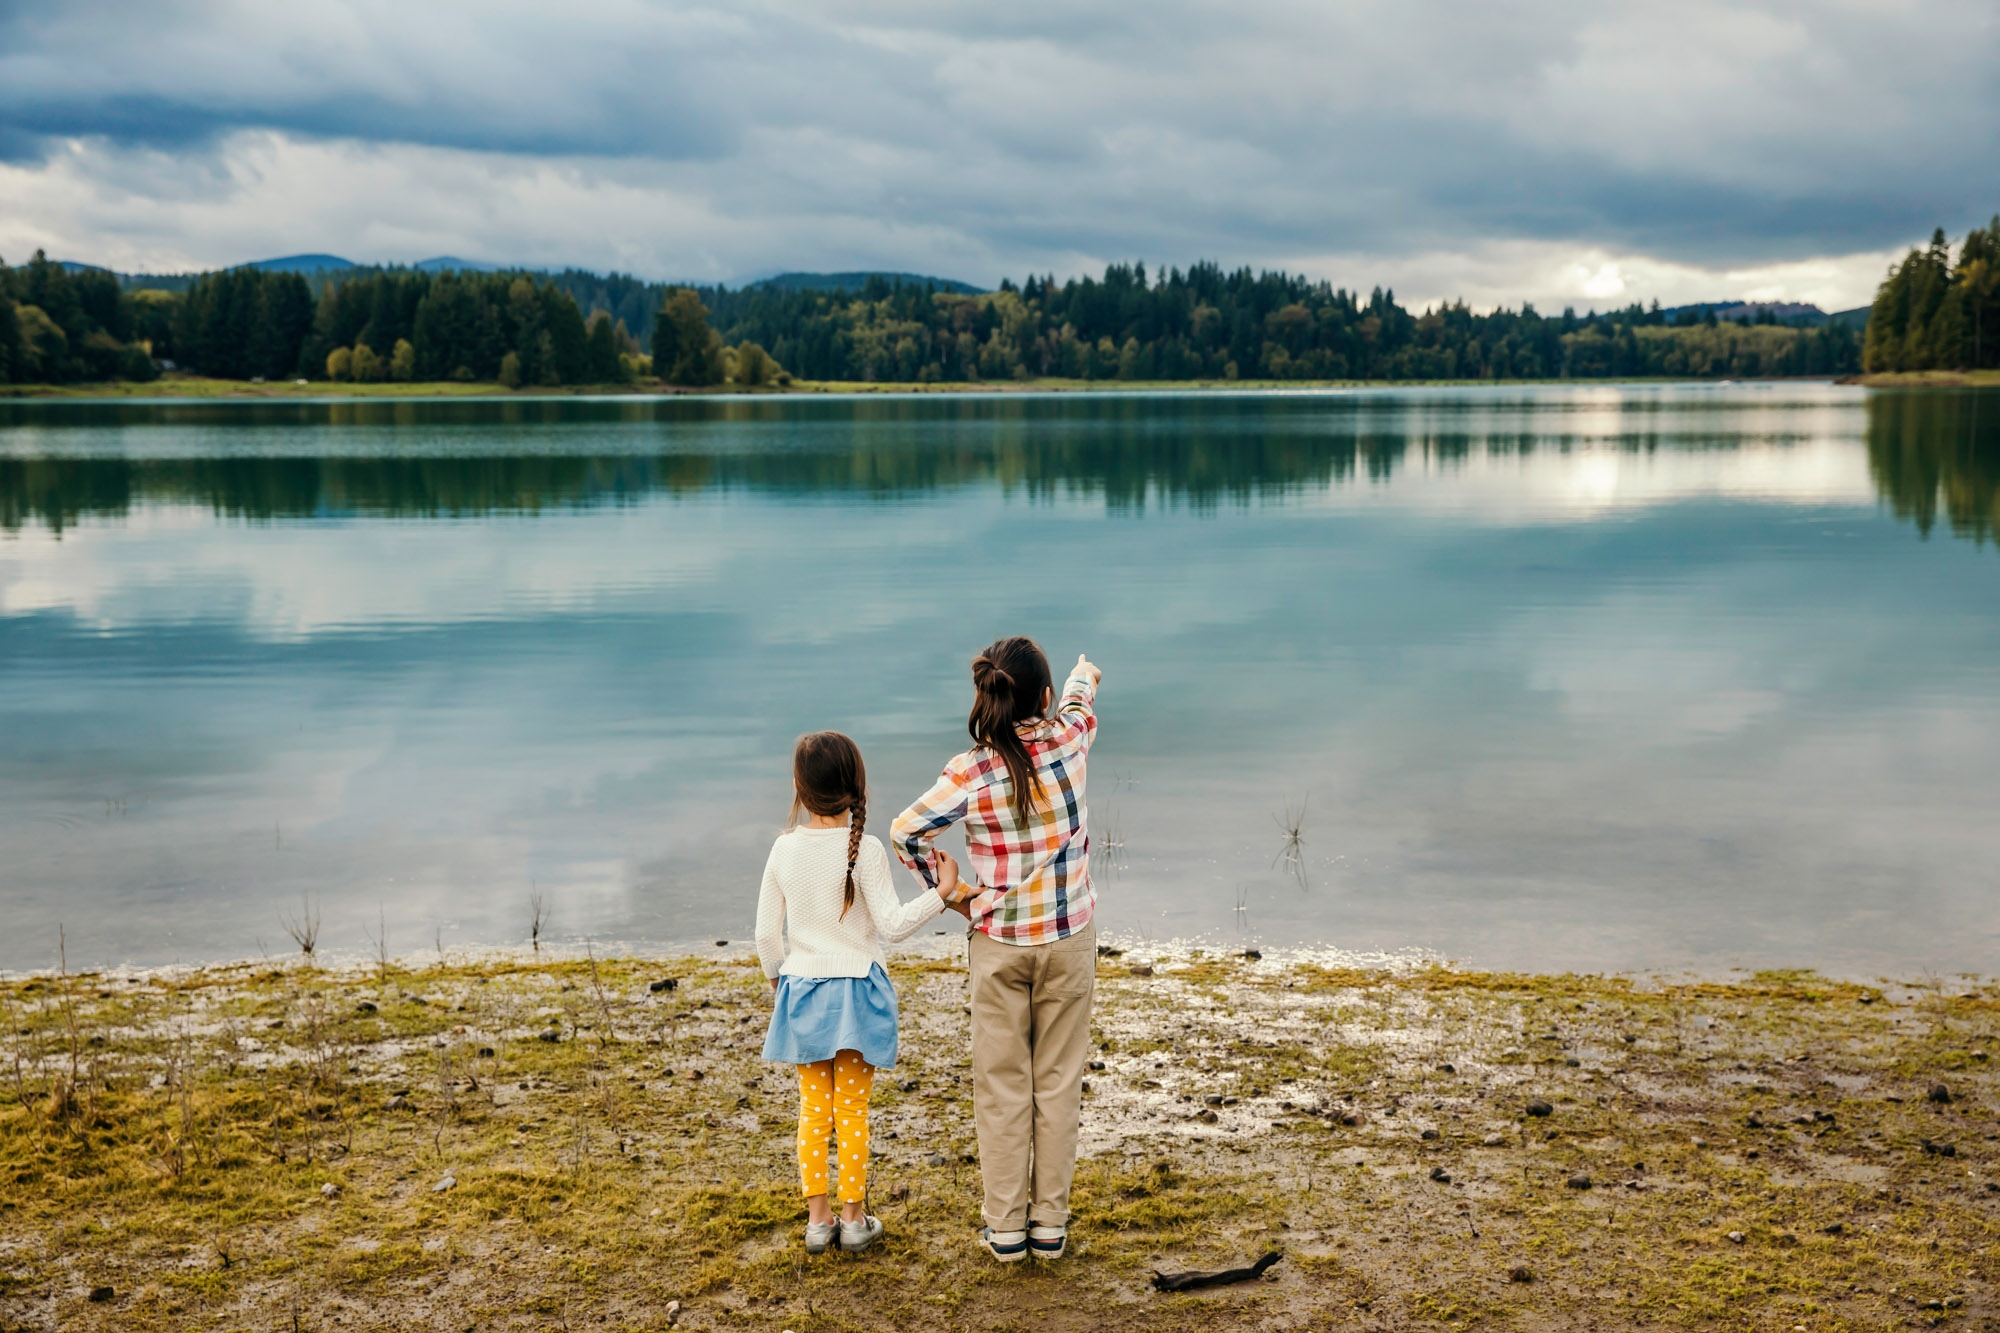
[815, 1017]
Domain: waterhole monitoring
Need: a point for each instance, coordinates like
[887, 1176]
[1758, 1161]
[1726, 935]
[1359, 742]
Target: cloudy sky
[1587, 153]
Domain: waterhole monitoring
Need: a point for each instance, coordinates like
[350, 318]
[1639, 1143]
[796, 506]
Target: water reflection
[1595, 678]
[1932, 451]
[62, 464]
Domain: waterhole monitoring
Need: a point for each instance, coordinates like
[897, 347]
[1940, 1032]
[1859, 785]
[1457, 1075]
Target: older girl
[1033, 955]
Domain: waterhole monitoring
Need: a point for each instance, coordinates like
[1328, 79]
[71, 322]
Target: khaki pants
[1030, 1040]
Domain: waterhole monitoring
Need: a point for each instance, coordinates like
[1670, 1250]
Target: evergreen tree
[601, 363]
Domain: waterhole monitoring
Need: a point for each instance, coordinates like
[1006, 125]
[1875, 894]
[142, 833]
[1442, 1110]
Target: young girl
[827, 890]
[1032, 947]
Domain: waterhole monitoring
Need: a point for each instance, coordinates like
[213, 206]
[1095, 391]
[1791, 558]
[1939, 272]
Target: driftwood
[1219, 1277]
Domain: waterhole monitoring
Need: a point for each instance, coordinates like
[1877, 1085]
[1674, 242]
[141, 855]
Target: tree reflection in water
[1930, 450]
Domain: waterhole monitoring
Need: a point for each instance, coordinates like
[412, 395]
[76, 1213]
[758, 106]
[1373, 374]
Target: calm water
[1656, 677]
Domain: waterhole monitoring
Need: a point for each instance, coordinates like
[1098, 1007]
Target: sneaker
[858, 1236]
[819, 1235]
[1047, 1242]
[1006, 1246]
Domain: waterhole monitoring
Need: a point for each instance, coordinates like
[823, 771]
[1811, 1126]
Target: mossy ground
[173, 1136]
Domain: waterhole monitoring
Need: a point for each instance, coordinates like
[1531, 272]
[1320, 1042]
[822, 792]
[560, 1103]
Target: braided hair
[829, 779]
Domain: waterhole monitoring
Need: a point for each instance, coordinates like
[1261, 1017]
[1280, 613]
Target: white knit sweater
[804, 883]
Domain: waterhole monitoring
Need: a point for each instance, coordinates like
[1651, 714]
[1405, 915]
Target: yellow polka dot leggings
[835, 1092]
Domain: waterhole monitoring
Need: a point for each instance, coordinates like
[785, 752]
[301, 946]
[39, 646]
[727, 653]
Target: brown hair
[1009, 680]
[828, 779]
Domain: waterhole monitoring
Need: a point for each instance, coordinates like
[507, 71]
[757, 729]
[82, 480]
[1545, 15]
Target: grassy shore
[1928, 379]
[523, 1142]
[195, 386]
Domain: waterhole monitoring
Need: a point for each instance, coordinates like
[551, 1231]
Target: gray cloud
[1699, 133]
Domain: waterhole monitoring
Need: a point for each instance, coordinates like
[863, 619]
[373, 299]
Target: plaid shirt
[1032, 880]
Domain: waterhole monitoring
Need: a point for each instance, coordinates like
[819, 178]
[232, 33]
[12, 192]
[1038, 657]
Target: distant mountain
[1856, 318]
[335, 264]
[854, 282]
[1785, 312]
[302, 264]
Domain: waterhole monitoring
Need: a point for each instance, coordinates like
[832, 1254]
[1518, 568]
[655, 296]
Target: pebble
[448, 1182]
[1213, 1099]
[1939, 1093]
[899, 1191]
[1428, 1135]
[397, 1103]
[1440, 1175]
[1699, 1143]
[673, 1311]
[1578, 1182]
[654, 1213]
[367, 1007]
[1141, 969]
[1494, 1140]
[1208, 1116]
[1447, 1069]
[1520, 1273]
[1736, 1238]
[101, 1294]
[1254, 955]
[937, 1159]
[909, 1085]
[664, 983]
[722, 944]
[1540, 1108]
[328, 1190]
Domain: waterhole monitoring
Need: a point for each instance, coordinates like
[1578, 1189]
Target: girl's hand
[1085, 664]
[951, 888]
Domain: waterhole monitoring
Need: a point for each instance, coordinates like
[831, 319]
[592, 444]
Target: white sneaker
[1006, 1246]
[1047, 1242]
[858, 1236]
[819, 1235]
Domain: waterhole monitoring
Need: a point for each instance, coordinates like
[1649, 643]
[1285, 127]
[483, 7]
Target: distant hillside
[1784, 312]
[301, 264]
[1856, 318]
[854, 282]
[336, 264]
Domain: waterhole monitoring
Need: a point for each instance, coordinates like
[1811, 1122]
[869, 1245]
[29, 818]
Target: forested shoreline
[1933, 314]
[521, 329]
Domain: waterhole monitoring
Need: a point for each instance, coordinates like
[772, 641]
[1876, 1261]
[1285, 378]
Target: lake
[1657, 676]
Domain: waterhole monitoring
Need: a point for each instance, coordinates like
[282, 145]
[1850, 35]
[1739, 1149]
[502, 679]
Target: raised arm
[771, 920]
[1076, 709]
[917, 828]
[895, 921]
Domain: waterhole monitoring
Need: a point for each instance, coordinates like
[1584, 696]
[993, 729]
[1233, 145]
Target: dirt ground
[517, 1142]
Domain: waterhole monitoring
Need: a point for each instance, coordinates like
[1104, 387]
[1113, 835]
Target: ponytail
[1008, 681]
